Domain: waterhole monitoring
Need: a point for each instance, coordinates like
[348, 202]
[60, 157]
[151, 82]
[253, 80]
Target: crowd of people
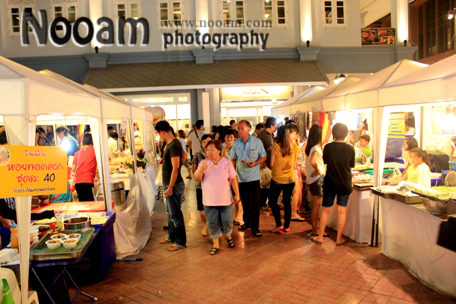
[240, 171]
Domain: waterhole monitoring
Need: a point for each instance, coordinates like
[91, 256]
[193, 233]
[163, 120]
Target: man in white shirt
[195, 137]
[113, 148]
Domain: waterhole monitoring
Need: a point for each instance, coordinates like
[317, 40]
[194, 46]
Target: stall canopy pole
[21, 132]
[106, 169]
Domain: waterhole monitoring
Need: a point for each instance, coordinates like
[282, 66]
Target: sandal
[298, 219]
[204, 232]
[165, 241]
[236, 223]
[231, 243]
[243, 227]
[316, 234]
[176, 247]
[214, 251]
[342, 243]
[314, 240]
[257, 233]
[278, 230]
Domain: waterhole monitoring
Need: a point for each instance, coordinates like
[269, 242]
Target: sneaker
[286, 230]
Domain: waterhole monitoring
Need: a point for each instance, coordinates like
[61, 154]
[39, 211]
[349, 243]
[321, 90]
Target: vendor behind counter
[418, 172]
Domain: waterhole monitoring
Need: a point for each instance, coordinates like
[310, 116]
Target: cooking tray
[40, 252]
[363, 186]
[409, 200]
[385, 195]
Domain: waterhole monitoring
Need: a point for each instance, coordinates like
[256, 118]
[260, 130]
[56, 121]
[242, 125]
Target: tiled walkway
[272, 269]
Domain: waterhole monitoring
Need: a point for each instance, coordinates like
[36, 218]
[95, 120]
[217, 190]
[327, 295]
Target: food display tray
[385, 195]
[363, 186]
[409, 200]
[428, 197]
[40, 252]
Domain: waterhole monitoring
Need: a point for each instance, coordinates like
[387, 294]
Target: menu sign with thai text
[32, 171]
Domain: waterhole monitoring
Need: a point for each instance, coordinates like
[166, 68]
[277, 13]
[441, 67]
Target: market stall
[26, 95]
[352, 105]
[132, 227]
[412, 230]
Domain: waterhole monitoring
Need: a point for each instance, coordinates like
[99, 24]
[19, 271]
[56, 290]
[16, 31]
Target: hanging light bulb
[450, 14]
[336, 79]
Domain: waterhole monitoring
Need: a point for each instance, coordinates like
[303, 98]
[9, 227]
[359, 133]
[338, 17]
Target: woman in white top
[315, 169]
[181, 135]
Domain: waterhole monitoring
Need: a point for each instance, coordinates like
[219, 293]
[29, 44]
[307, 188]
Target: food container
[79, 222]
[59, 236]
[76, 236]
[70, 243]
[451, 207]
[118, 195]
[452, 165]
[435, 206]
[53, 244]
[407, 199]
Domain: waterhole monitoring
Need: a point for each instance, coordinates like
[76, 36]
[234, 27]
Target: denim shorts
[316, 188]
[328, 199]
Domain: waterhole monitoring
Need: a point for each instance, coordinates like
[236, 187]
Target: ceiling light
[450, 14]
[342, 76]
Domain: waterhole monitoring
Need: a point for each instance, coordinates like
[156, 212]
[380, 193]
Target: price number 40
[49, 177]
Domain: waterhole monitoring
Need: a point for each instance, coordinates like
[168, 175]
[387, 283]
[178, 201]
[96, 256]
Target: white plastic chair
[10, 277]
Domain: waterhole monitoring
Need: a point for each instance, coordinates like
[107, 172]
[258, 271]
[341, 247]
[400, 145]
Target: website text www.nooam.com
[105, 35]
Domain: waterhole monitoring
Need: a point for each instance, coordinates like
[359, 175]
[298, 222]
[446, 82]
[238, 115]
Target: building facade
[308, 43]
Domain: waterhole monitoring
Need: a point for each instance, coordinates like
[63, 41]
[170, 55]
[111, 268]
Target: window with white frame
[334, 12]
[65, 10]
[233, 12]
[170, 13]
[128, 9]
[15, 13]
[275, 11]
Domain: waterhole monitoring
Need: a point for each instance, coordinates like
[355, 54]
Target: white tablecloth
[410, 237]
[358, 226]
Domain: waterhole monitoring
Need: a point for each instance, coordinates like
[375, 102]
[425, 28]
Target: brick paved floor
[272, 269]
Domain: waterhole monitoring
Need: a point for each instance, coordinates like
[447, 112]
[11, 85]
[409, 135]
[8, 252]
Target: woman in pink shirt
[217, 175]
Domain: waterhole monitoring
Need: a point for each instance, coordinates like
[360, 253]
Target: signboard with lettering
[397, 125]
[376, 36]
[31, 171]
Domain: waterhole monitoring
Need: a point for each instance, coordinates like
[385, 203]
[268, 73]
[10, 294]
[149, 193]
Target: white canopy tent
[364, 93]
[432, 85]
[314, 103]
[435, 83]
[26, 95]
[285, 107]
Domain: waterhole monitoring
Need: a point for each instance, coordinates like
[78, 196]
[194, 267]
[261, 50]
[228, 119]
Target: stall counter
[410, 237]
[97, 206]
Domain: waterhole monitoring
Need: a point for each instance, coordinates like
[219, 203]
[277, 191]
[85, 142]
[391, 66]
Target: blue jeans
[176, 225]
[219, 218]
